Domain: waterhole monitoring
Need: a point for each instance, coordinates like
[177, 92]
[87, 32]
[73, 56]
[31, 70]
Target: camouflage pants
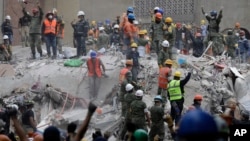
[59, 44]
[217, 46]
[25, 36]
[35, 41]
[156, 46]
[157, 129]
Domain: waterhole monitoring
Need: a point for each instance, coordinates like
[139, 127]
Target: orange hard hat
[38, 138]
[237, 24]
[158, 15]
[4, 138]
[99, 111]
[198, 97]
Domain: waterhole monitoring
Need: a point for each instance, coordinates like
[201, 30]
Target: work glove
[92, 107]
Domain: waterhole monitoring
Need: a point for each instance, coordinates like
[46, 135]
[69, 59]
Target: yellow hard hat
[141, 32]
[168, 62]
[168, 20]
[189, 26]
[134, 45]
[203, 21]
[145, 31]
[93, 22]
[177, 74]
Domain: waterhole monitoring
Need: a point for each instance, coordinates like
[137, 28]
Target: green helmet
[140, 135]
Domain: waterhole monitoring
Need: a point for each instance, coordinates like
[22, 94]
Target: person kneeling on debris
[4, 54]
[176, 95]
[28, 118]
[94, 65]
[164, 74]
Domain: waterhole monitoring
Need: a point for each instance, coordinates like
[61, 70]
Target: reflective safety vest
[174, 90]
[50, 26]
[122, 74]
[94, 69]
[163, 77]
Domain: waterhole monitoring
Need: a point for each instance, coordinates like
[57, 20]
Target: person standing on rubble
[35, 30]
[198, 47]
[139, 111]
[243, 48]
[231, 43]
[49, 29]
[81, 28]
[129, 32]
[59, 33]
[176, 95]
[123, 72]
[94, 65]
[103, 39]
[6, 28]
[236, 29]
[23, 25]
[179, 34]
[134, 55]
[115, 37]
[129, 97]
[163, 78]
[157, 31]
[164, 53]
[28, 118]
[170, 34]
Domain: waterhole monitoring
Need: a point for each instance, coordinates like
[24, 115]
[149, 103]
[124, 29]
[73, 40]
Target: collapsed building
[61, 93]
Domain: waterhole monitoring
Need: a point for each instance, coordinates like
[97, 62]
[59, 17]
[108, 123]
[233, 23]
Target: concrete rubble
[61, 93]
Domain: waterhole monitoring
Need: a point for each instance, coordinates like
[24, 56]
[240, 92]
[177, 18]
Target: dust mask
[133, 49]
[50, 17]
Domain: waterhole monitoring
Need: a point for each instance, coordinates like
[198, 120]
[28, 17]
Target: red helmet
[34, 10]
[198, 97]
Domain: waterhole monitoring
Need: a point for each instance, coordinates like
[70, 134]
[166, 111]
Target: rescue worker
[179, 36]
[236, 29]
[197, 101]
[129, 31]
[6, 28]
[8, 46]
[187, 39]
[139, 111]
[176, 95]
[103, 39]
[115, 37]
[55, 15]
[125, 17]
[157, 31]
[164, 74]
[4, 55]
[23, 25]
[129, 97]
[108, 26]
[203, 28]
[232, 44]
[198, 47]
[153, 13]
[28, 118]
[142, 42]
[134, 55]
[170, 35]
[94, 65]
[81, 28]
[125, 78]
[49, 29]
[164, 54]
[157, 118]
[213, 30]
[35, 30]
[60, 33]
[243, 48]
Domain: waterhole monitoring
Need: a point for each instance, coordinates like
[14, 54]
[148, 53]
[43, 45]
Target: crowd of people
[140, 122]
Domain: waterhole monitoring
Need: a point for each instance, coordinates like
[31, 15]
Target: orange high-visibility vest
[50, 26]
[163, 77]
[122, 74]
[92, 70]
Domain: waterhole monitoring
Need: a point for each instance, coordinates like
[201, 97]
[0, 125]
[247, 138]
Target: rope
[73, 105]
[64, 104]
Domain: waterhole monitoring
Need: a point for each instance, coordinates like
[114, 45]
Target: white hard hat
[8, 17]
[54, 10]
[139, 93]
[101, 28]
[80, 13]
[5, 37]
[116, 26]
[165, 43]
[129, 87]
[136, 22]
[156, 8]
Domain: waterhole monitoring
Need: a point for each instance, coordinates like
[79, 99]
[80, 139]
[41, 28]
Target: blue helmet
[99, 24]
[213, 13]
[161, 11]
[107, 21]
[130, 9]
[131, 16]
[158, 98]
[93, 54]
[197, 123]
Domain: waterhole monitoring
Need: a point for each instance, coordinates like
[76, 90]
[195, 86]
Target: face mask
[213, 17]
[50, 17]
[133, 49]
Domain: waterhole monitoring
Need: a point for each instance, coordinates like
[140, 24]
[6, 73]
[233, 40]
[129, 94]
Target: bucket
[141, 50]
